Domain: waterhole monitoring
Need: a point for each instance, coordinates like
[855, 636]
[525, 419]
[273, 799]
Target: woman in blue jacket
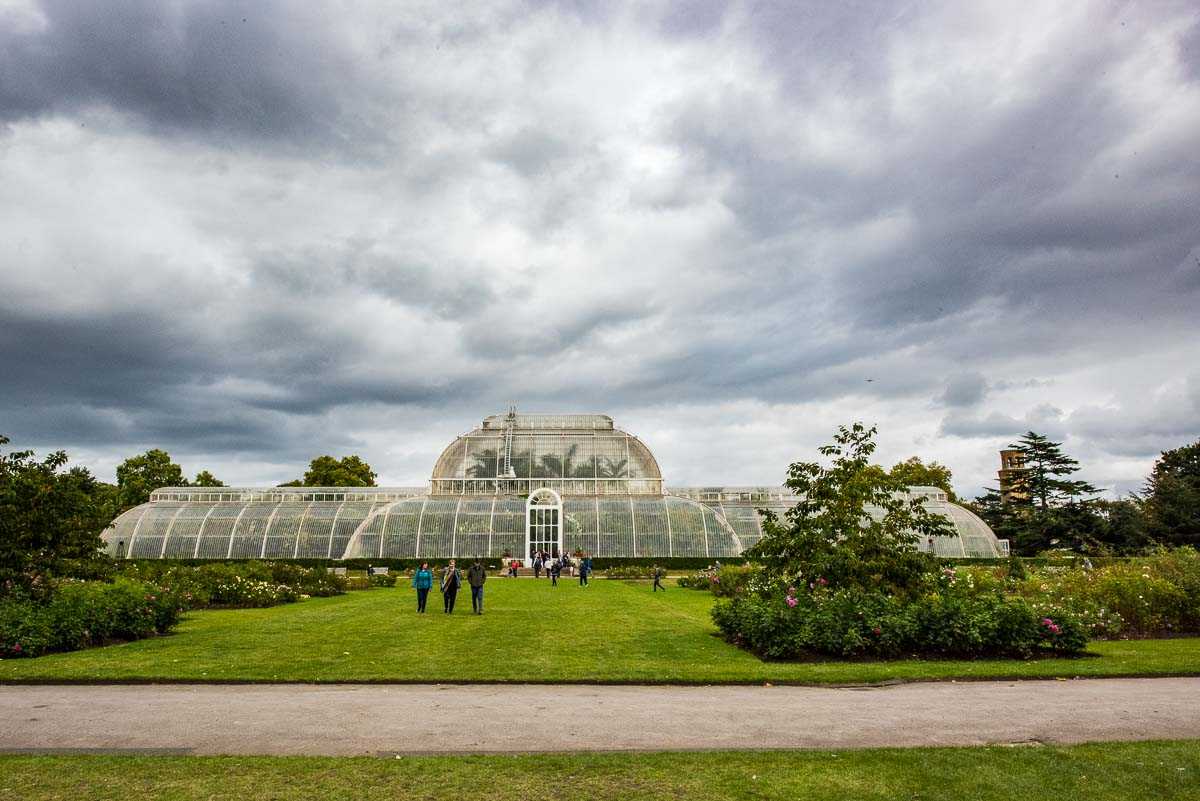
[422, 583]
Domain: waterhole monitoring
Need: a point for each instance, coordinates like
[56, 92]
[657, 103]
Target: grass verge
[1159, 770]
[610, 632]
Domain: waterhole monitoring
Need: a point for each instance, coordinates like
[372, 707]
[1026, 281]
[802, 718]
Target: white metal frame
[538, 499]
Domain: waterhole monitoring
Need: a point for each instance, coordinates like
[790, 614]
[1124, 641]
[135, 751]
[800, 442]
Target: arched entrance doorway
[543, 524]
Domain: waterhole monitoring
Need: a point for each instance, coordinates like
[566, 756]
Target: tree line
[1046, 507]
[52, 513]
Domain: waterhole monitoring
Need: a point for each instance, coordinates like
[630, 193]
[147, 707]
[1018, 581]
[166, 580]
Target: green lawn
[1118, 771]
[610, 632]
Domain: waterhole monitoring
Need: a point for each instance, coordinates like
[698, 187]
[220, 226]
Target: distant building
[1012, 471]
[516, 485]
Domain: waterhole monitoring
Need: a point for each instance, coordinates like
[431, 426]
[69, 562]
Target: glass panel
[400, 532]
[651, 524]
[483, 456]
[181, 544]
[579, 525]
[616, 528]
[281, 536]
[249, 532]
[315, 529]
[688, 533]
[437, 528]
[352, 515]
[149, 540]
[214, 536]
[509, 527]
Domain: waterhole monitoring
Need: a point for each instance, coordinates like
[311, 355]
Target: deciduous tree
[140, 475]
[831, 534]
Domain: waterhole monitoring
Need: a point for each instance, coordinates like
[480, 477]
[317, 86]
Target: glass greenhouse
[517, 484]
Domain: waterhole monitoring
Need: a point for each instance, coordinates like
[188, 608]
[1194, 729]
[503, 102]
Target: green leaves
[854, 524]
[49, 517]
[349, 471]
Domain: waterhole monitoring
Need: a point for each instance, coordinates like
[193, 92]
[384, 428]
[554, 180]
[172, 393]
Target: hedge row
[85, 614]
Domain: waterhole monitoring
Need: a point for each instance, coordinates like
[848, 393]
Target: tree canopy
[1173, 496]
[51, 517]
[139, 475]
[327, 471]
[915, 473]
[207, 479]
[1044, 481]
[829, 533]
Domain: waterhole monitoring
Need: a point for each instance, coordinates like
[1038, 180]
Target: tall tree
[1044, 482]
[349, 471]
[831, 534]
[50, 519]
[207, 479]
[1173, 496]
[138, 476]
[915, 473]
[1043, 506]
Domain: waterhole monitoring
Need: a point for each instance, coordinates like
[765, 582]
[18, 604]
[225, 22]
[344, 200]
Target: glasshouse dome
[516, 485]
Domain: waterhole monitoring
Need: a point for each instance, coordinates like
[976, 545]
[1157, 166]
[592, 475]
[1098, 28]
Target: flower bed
[852, 622]
[724, 581]
[1155, 596]
[238, 584]
[82, 614]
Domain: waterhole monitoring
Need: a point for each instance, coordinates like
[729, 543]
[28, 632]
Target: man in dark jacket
[476, 575]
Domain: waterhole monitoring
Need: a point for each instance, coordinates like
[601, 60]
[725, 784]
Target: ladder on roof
[510, 420]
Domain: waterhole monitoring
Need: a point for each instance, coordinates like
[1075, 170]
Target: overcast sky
[254, 232]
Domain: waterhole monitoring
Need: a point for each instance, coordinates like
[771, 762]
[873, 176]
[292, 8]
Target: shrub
[629, 572]
[383, 579]
[1152, 596]
[724, 581]
[84, 614]
[852, 622]
[238, 584]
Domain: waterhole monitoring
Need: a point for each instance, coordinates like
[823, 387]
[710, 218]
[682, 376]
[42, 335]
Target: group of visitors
[452, 579]
[476, 575]
[555, 566]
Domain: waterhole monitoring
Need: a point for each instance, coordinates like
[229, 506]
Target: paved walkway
[375, 719]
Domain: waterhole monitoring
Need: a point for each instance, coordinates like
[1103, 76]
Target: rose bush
[853, 622]
[82, 614]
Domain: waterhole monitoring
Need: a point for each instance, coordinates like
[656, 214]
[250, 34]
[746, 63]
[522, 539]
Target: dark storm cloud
[947, 213]
[224, 69]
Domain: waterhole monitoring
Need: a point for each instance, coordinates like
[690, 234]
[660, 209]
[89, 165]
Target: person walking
[658, 574]
[555, 570]
[476, 575]
[422, 583]
[537, 564]
[450, 584]
[585, 567]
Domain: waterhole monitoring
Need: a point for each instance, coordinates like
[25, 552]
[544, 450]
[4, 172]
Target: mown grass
[612, 631]
[1159, 770]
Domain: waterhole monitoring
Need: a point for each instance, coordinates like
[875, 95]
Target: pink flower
[791, 601]
[16, 648]
[822, 581]
[791, 591]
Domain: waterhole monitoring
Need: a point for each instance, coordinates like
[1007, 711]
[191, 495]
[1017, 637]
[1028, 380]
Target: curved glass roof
[611, 487]
[573, 454]
[425, 526]
[182, 523]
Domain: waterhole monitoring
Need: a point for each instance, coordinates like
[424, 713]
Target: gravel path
[377, 719]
